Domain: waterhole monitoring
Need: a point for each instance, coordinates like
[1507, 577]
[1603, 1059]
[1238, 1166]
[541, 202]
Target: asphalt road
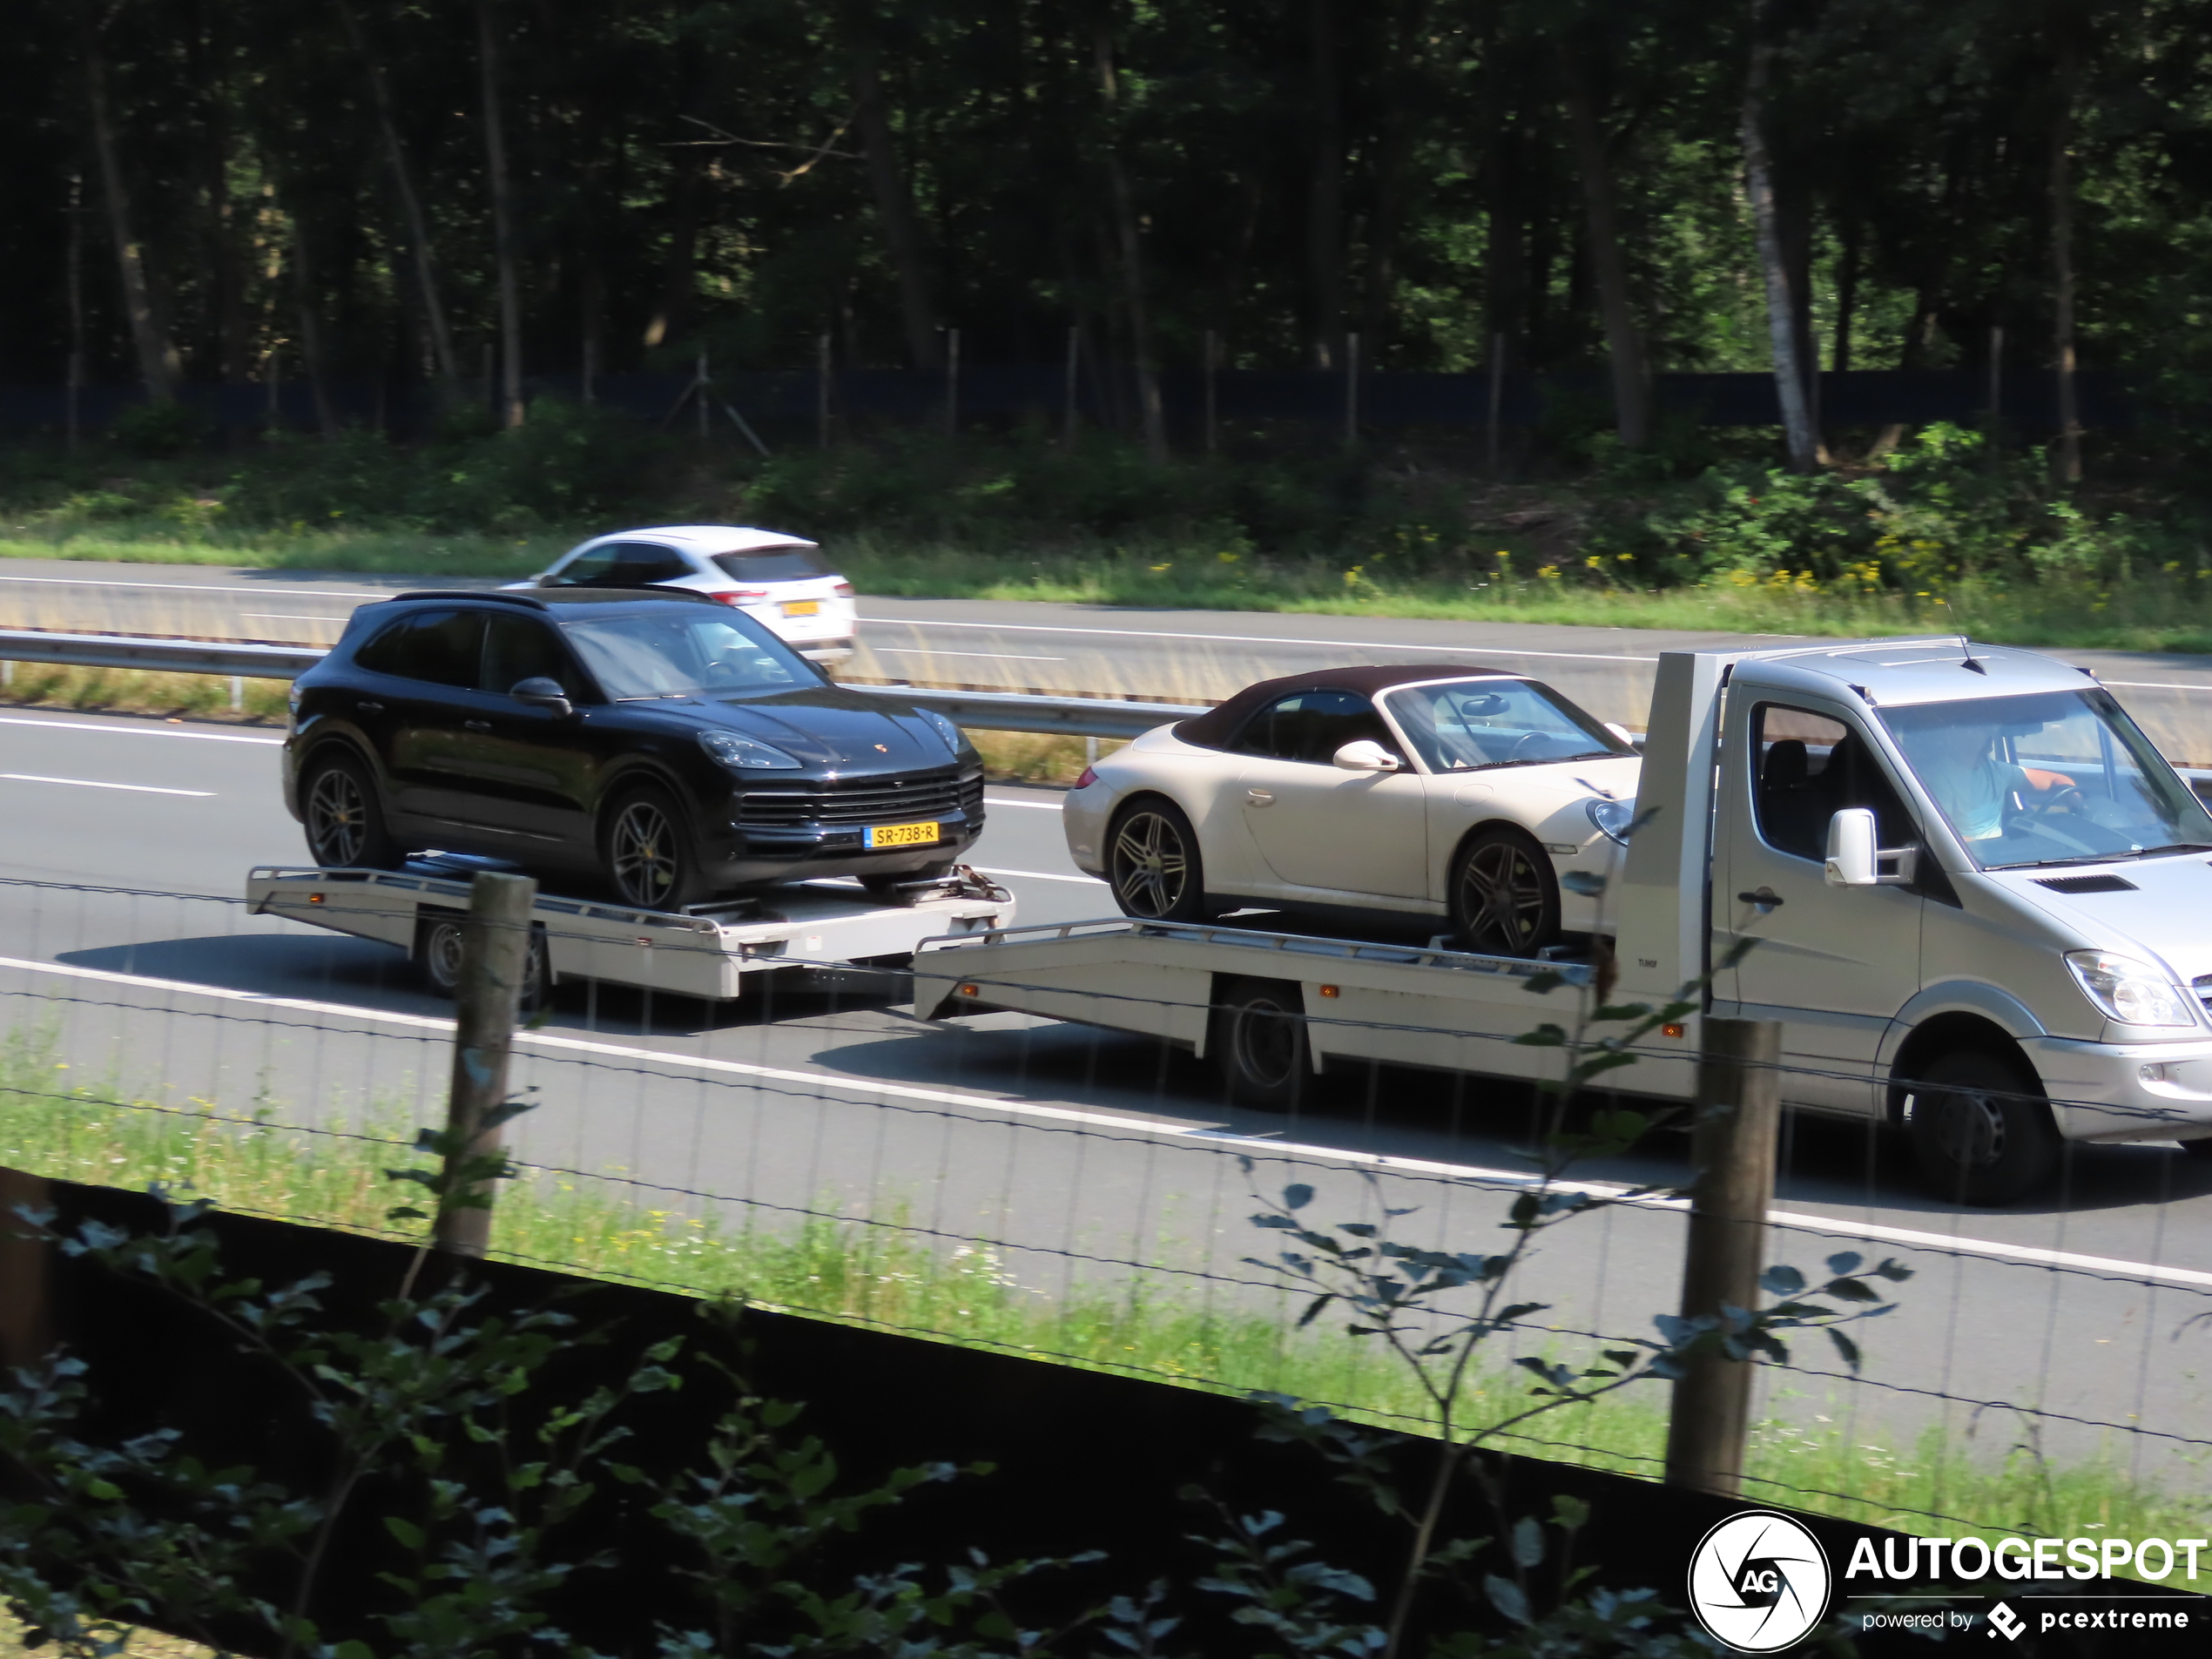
[1175, 655]
[1082, 1157]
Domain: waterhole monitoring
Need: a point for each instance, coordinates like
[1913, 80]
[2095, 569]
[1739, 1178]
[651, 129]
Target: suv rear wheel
[345, 820]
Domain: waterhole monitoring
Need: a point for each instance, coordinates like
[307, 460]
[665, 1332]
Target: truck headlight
[745, 755]
[1612, 818]
[2131, 992]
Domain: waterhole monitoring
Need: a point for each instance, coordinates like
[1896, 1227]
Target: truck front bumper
[2126, 1091]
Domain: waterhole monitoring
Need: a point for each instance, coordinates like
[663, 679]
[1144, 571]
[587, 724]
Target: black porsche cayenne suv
[665, 744]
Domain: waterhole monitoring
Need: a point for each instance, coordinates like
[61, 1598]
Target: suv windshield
[1459, 726]
[657, 654]
[2056, 778]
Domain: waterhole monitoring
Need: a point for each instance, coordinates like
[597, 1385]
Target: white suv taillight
[741, 596]
[844, 589]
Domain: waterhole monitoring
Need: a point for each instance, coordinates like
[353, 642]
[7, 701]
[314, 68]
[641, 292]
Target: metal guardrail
[1079, 717]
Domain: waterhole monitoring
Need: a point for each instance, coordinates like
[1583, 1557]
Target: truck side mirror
[1850, 848]
[1364, 754]
[1854, 860]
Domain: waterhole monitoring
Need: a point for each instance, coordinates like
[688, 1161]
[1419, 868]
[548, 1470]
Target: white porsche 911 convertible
[1458, 794]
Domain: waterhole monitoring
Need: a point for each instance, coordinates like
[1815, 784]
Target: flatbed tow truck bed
[705, 951]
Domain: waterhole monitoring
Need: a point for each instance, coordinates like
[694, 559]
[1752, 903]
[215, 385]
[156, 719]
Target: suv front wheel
[647, 852]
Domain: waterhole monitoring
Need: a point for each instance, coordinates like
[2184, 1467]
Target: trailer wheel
[1505, 898]
[345, 820]
[1982, 1133]
[647, 851]
[437, 956]
[1153, 864]
[1259, 1044]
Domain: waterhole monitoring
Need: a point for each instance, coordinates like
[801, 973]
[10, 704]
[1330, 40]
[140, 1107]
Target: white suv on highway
[780, 581]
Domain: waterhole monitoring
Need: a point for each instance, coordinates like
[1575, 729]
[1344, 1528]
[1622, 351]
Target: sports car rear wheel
[1505, 898]
[1153, 866]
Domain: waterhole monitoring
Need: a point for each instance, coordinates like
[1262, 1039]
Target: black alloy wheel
[437, 957]
[1982, 1133]
[1259, 1044]
[1505, 898]
[647, 853]
[1153, 866]
[345, 820]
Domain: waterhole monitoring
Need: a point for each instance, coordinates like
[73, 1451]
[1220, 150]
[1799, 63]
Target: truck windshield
[2053, 778]
[659, 655]
[1459, 726]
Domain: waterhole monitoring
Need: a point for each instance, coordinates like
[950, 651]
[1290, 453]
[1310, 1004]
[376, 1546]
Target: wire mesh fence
[1074, 1192]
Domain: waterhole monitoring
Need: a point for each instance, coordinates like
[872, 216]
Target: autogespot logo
[1759, 1582]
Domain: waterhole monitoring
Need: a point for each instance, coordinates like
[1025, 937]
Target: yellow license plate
[802, 608]
[900, 834]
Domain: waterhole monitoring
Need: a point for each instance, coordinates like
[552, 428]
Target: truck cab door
[1834, 965]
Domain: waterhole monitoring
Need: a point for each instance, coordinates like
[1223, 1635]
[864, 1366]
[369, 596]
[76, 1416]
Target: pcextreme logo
[1759, 1582]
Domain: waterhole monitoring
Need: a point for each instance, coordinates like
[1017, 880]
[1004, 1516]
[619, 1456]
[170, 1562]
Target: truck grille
[863, 801]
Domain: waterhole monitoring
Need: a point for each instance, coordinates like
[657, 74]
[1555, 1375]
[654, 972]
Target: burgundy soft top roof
[1217, 727]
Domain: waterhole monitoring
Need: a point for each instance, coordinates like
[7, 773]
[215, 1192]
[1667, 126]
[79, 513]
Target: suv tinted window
[622, 565]
[520, 648]
[1810, 768]
[439, 646]
[772, 564]
[1312, 725]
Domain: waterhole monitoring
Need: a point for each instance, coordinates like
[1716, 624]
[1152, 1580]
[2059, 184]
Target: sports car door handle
[1259, 798]
[368, 708]
[477, 725]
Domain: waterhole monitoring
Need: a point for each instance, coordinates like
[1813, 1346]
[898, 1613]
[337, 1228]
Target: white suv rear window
[772, 564]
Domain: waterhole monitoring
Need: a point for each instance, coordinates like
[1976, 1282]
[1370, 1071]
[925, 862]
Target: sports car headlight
[745, 754]
[951, 734]
[1613, 818]
[2132, 992]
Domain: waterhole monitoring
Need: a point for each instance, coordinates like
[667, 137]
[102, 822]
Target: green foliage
[161, 431]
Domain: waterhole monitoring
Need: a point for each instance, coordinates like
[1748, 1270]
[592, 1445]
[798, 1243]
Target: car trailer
[1270, 1009]
[704, 950]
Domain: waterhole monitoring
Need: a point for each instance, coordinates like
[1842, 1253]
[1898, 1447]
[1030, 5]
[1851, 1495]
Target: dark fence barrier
[788, 401]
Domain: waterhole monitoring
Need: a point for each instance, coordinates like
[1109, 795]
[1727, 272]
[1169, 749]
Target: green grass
[2158, 612]
[55, 1122]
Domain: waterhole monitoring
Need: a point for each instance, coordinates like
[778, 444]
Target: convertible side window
[1811, 767]
[1311, 726]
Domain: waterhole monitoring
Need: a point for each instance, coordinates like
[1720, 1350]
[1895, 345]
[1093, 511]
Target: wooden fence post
[495, 957]
[1732, 1148]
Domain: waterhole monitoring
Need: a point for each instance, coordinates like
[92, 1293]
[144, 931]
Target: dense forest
[409, 190]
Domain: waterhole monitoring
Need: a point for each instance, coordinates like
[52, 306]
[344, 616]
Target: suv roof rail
[543, 600]
[473, 593]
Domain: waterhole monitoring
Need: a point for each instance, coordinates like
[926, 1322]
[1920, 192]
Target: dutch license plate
[802, 607]
[900, 834]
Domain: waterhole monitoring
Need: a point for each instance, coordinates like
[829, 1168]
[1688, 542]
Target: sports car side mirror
[1364, 754]
[541, 691]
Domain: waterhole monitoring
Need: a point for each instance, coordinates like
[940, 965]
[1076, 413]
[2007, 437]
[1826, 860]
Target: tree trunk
[673, 314]
[1847, 291]
[1132, 255]
[158, 364]
[502, 225]
[1631, 386]
[1393, 155]
[1325, 197]
[303, 287]
[893, 196]
[2070, 454]
[1781, 312]
[418, 230]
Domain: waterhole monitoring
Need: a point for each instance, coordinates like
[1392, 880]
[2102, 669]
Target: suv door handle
[477, 725]
[1766, 898]
[366, 707]
[1259, 798]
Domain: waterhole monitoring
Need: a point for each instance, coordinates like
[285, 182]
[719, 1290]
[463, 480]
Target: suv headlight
[2131, 992]
[1613, 818]
[954, 737]
[745, 754]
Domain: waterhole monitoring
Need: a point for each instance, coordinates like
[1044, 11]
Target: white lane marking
[995, 656]
[137, 728]
[230, 589]
[87, 783]
[287, 616]
[1201, 1134]
[1243, 639]
[1036, 875]
[1034, 805]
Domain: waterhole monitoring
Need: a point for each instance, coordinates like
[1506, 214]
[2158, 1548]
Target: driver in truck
[1964, 769]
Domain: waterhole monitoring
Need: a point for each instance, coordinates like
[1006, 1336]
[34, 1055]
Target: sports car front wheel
[1153, 866]
[1505, 898]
